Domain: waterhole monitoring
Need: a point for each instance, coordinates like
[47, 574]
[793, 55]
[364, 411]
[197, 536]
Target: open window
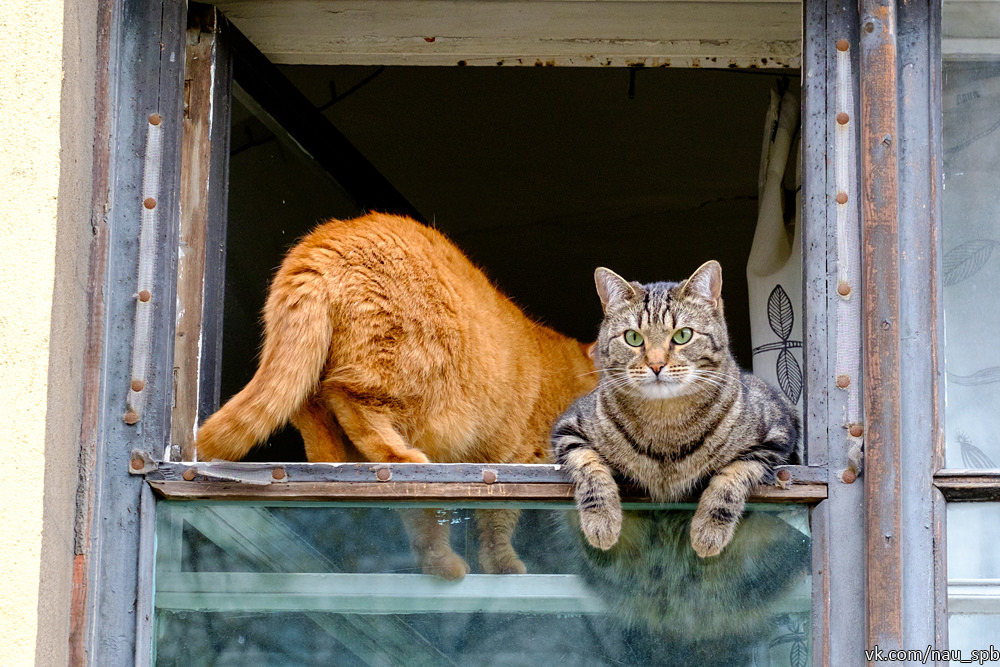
[644, 156]
[595, 122]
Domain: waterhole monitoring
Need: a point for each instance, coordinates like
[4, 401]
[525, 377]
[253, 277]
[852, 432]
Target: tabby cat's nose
[657, 367]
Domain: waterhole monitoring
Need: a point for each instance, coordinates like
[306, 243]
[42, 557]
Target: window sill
[222, 480]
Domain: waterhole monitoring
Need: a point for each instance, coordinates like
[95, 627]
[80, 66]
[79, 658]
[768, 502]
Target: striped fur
[672, 416]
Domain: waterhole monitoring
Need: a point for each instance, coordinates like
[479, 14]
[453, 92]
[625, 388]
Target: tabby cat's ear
[611, 287]
[705, 283]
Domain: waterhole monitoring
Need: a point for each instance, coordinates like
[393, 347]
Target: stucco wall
[47, 65]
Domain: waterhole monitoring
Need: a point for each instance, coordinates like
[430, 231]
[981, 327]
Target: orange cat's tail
[297, 335]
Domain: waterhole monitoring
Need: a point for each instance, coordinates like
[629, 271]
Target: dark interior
[538, 174]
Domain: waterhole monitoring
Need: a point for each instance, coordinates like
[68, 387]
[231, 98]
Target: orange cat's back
[381, 329]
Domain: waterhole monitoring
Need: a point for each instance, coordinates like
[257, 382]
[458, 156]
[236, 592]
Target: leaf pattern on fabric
[780, 315]
[965, 260]
[985, 376]
[781, 318]
[789, 375]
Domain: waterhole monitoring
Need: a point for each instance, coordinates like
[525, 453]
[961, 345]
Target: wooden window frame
[877, 543]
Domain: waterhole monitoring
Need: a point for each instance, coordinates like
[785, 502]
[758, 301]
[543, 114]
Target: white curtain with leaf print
[774, 268]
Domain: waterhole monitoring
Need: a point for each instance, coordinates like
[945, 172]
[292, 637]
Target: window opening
[641, 168]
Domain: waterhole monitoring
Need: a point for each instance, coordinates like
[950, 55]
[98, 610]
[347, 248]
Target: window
[971, 146]
[186, 508]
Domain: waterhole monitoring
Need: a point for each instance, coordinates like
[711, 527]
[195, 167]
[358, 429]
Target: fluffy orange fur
[381, 329]
[382, 338]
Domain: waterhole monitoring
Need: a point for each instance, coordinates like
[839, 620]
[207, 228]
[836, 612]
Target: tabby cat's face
[663, 340]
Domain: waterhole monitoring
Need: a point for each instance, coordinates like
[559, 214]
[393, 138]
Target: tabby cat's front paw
[711, 533]
[602, 525]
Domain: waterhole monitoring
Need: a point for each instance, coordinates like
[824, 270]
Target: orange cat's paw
[448, 566]
[602, 525]
[501, 561]
[710, 534]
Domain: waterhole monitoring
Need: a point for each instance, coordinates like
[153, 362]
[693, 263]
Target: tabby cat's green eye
[633, 338]
[682, 336]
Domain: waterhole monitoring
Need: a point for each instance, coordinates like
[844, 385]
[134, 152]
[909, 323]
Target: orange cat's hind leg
[429, 531]
[323, 437]
[371, 430]
[496, 553]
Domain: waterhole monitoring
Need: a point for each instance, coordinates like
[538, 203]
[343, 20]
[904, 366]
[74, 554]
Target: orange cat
[380, 329]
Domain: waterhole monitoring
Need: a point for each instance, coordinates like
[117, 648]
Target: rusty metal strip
[880, 196]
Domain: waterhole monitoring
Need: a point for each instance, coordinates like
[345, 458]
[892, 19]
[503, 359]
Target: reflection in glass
[970, 269]
[241, 583]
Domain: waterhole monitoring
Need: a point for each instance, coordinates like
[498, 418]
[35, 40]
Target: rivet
[155, 119]
[383, 474]
[149, 203]
[189, 474]
[783, 475]
[138, 385]
[137, 463]
[145, 296]
[848, 476]
[489, 476]
[841, 197]
[856, 430]
[843, 381]
[843, 118]
[843, 289]
[843, 45]
[278, 473]
[869, 27]
[131, 417]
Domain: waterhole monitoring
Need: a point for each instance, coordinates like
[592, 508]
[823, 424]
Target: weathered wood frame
[142, 52]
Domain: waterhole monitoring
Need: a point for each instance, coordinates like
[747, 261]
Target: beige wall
[47, 65]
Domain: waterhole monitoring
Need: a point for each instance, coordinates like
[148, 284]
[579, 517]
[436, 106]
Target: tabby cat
[383, 341]
[673, 411]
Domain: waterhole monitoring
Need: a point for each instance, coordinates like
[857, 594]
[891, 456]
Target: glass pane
[338, 583]
[971, 232]
[973, 576]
